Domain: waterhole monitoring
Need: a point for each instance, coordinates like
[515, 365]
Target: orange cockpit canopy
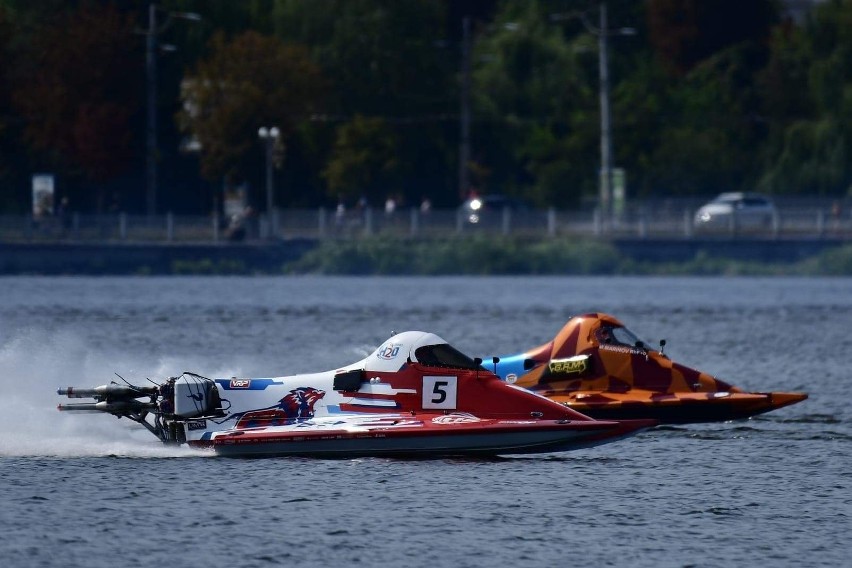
[585, 332]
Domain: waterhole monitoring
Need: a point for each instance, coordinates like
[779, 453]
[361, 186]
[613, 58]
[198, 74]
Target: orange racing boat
[596, 366]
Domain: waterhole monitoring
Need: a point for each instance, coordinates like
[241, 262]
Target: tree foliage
[388, 56]
[686, 32]
[808, 86]
[247, 82]
[537, 99]
[80, 98]
[389, 60]
[705, 97]
[7, 134]
[363, 157]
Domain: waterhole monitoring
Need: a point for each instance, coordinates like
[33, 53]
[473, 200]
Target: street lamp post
[270, 138]
[151, 75]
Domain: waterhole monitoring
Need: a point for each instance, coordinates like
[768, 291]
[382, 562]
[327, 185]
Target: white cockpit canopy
[416, 346]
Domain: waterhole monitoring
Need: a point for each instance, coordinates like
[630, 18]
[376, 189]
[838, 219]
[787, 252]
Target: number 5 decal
[440, 392]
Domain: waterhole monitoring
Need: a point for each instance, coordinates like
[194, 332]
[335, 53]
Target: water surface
[84, 490]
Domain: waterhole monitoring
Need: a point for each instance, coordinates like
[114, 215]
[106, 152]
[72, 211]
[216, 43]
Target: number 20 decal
[440, 392]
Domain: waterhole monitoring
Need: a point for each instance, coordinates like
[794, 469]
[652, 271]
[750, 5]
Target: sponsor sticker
[240, 383]
[456, 418]
[570, 366]
[389, 351]
[621, 349]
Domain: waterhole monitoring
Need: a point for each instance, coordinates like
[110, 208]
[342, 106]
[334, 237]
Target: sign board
[235, 201]
[42, 195]
[619, 190]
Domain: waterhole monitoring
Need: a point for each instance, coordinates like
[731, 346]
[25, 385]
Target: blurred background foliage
[706, 97]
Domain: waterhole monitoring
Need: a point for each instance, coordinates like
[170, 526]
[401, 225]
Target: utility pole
[151, 49]
[606, 126]
[464, 115]
[602, 32]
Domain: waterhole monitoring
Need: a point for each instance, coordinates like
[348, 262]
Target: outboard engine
[194, 396]
[162, 409]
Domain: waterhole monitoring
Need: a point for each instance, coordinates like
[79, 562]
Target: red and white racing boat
[413, 396]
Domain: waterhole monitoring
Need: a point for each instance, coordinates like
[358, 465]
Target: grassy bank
[469, 256]
[493, 256]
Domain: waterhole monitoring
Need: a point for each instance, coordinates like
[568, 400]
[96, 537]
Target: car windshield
[755, 201]
[747, 200]
[444, 355]
[726, 199]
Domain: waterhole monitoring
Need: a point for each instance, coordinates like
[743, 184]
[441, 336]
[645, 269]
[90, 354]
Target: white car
[736, 210]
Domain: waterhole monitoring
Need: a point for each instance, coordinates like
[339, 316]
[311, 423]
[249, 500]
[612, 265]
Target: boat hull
[490, 439]
[682, 408]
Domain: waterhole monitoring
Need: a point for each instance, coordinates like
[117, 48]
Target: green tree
[7, 131]
[79, 101]
[711, 142]
[686, 32]
[535, 107]
[710, 128]
[247, 82]
[808, 85]
[643, 109]
[383, 57]
[362, 160]
[390, 60]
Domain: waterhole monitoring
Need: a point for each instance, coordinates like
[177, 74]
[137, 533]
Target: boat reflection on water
[598, 367]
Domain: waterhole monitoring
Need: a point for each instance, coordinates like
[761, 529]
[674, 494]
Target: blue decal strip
[246, 384]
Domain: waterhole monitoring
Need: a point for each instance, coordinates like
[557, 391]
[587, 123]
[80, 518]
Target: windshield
[619, 336]
[444, 355]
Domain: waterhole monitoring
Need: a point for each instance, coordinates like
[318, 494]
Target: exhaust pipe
[111, 391]
[116, 407]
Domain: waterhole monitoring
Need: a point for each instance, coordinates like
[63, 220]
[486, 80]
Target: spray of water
[35, 363]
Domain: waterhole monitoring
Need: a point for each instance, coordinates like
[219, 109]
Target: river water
[90, 490]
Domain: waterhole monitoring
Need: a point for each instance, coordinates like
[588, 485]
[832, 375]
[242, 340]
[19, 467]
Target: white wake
[34, 364]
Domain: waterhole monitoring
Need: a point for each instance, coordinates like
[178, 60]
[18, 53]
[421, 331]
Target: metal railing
[640, 221]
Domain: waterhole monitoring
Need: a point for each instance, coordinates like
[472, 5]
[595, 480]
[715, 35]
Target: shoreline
[471, 256]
